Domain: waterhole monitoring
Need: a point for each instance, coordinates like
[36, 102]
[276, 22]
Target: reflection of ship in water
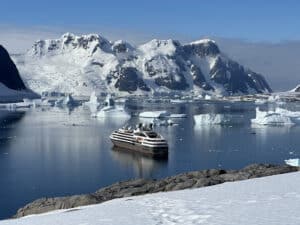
[144, 166]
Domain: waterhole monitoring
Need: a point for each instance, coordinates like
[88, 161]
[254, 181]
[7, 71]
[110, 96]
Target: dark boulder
[194, 179]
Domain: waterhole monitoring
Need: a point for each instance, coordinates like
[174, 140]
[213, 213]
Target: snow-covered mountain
[82, 64]
[12, 87]
[296, 89]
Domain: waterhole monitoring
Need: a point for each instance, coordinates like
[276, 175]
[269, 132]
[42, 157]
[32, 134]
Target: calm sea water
[57, 152]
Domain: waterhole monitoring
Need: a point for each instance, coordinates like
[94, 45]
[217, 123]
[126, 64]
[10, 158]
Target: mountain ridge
[82, 64]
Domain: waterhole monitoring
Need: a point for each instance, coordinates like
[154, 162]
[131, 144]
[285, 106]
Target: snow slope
[296, 89]
[82, 64]
[263, 201]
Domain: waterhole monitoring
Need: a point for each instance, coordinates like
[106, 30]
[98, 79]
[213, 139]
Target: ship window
[152, 135]
[140, 134]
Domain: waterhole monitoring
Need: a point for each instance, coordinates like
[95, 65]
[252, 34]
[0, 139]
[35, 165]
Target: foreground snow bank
[269, 200]
[277, 117]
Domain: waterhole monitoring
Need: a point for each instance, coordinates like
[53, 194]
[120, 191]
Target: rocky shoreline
[195, 179]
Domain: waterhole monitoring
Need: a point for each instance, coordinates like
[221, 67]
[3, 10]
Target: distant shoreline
[194, 179]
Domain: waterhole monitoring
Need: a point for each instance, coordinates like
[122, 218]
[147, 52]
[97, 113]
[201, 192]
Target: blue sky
[270, 20]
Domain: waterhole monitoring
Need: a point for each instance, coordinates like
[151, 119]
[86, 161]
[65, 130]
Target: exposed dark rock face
[129, 80]
[199, 79]
[235, 78]
[297, 89]
[195, 179]
[202, 49]
[9, 75]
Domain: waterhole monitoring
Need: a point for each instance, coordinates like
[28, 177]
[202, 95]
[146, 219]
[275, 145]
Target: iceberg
[65, 101]
[207, 97]
[292, 162]
[160, 115]
[93, 100]
[93, 104]
[154, 114]
[277, 117]
[177, 115]
[218, 119]
[111, 110]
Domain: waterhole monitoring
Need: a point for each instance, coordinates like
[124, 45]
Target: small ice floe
[163, 122]
[207, 97]
[177, 115]
[154, 114]
[218, 119]
[277, 117]
[292, 162]
[161, 115]
[178, 101]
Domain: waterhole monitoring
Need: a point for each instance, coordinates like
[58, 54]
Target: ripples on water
[58, 152]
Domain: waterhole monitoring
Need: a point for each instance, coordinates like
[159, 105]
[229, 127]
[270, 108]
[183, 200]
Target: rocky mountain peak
[297, 88]
[69, 42]
[202, 48]
[92, 63]
[9, 74]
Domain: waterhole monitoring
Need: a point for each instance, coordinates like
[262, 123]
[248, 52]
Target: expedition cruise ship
[142, 139]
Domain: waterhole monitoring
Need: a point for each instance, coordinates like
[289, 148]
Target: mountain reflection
[144, 166]
[8, 120]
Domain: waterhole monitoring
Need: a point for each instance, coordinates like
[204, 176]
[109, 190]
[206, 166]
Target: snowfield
[262, 201]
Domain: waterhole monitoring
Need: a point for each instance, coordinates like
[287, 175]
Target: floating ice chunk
[65, 101]
[111, 110]
[177, 101]
[177, 115]
[277, 117]
[154, 114]
[117, 112]
[221, 119]
[207, 97]
[292, 162]
[160, 115]
[93, 104]
[93, 100]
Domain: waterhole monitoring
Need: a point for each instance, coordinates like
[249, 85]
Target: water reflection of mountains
[144, 166]
[7, 121]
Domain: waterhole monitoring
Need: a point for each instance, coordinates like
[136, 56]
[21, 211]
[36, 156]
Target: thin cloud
[278, 62]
